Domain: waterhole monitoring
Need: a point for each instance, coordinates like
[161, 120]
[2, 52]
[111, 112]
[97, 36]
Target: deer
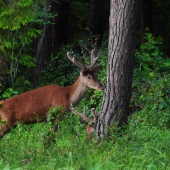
[91, 123]
[34, 105]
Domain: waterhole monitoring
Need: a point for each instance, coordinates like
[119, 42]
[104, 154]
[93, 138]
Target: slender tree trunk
[44, 47]
[4, 63]
[52, 37]
[124, 16]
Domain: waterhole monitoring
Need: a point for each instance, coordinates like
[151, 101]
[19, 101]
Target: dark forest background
[35, 34]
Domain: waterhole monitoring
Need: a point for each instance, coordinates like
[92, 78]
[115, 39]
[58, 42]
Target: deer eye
[89, 77]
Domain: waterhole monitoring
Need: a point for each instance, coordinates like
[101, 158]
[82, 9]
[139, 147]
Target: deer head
[91, 123]
[88, 73]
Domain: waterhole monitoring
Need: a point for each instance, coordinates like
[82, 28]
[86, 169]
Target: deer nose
[101, 87]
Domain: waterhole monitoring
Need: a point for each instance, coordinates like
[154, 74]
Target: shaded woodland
[133, 110]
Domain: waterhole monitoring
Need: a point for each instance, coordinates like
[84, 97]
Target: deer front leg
[56, 126]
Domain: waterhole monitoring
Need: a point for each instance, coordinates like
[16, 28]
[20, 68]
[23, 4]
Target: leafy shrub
[60, 69]
[9, 93]
[150, 59]
[151, 84]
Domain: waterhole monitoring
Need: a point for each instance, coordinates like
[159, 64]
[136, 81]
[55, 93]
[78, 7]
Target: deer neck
[78, 90]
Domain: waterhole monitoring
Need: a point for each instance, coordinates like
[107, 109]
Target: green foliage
[60, 69]
[89, 43]
[150, 60]
[140, 147]
[53, 114]
[142, 144]
[9, 93]
[1, 121]
[7, 167]
[17, 31]
[151, 90]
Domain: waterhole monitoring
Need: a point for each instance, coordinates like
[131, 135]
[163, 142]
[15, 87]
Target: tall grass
[136, 147]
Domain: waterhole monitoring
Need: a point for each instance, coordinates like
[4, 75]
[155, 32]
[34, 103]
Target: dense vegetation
[143, 143]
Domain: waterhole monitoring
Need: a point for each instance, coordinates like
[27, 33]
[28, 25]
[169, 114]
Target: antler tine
[74, 60]
[84, 111]
[94, 115]
[98, 67]
[93, 59]
[81, 115]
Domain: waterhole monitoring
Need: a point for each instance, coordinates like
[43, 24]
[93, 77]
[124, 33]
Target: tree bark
[124, 16]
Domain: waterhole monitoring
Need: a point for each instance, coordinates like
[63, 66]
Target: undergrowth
[141, 147]
[141, 144]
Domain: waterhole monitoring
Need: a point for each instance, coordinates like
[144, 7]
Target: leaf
[141, 97]
[27, 61]
[161, 106]
[152, 74]
[155, 53]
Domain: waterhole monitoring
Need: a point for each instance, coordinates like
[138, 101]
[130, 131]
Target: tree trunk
[52, 37]
[124, 16]
[44, 46]
[4, 82]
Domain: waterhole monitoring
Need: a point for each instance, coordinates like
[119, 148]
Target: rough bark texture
[124, 15]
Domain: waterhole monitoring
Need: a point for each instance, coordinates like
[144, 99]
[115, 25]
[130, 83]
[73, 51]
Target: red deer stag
[34, 105]
[91, 123]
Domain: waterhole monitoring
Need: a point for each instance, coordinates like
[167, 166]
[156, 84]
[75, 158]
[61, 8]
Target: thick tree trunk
[124, 15]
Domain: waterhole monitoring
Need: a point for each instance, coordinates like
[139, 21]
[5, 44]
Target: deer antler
[94, 115]
[74, 61]
[84, 117]
[93, 61]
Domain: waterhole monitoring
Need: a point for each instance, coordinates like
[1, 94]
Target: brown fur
[33, 106]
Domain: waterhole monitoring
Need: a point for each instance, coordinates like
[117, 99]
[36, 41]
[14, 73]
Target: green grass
[139, 146]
